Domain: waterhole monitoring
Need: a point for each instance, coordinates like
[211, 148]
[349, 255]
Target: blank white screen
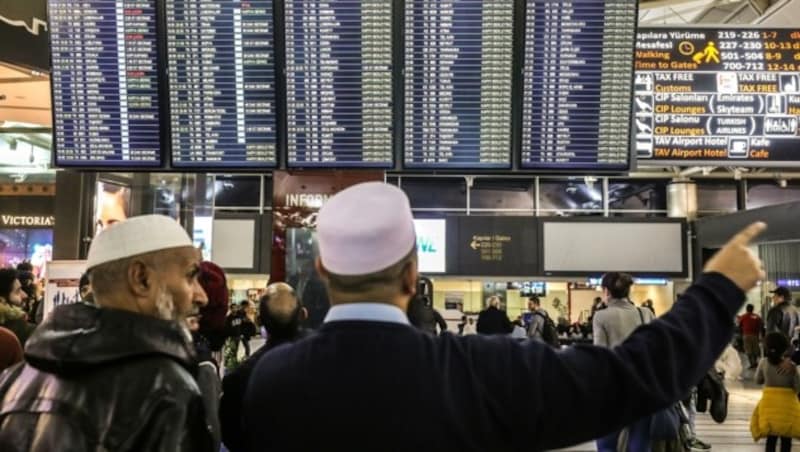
[603, 247]
[234, 243]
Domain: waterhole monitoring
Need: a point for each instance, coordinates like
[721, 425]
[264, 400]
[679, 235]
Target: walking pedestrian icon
[708, 55]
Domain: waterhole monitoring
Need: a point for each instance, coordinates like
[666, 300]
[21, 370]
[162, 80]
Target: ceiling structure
[25, 123]
[24, 96]
[708, 12]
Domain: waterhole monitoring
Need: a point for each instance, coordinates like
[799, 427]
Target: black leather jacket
[103, 380]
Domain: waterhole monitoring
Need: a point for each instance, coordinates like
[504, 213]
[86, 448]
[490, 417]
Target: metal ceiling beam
[38, 78]
[650, 4]
[26, 130]
[760, 6]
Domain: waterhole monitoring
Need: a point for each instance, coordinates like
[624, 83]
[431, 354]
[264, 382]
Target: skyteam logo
[36, 27]
[431, 242]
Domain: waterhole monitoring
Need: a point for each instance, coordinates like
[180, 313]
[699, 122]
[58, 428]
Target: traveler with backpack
[611, 327]
[541, 325]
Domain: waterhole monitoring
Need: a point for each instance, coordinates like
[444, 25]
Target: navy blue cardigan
[379, 386]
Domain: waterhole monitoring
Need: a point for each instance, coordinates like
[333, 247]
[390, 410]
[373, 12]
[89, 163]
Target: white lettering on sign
[15, 220]
[37, 25]
[314, 201]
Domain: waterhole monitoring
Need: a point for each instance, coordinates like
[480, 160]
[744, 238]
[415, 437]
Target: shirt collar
[368, 312]
[620, 302]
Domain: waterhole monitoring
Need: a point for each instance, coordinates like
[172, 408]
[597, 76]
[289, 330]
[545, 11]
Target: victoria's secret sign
[27, 221]
[26, 212]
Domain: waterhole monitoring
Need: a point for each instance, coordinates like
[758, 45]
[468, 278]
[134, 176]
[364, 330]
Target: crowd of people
[151, 359]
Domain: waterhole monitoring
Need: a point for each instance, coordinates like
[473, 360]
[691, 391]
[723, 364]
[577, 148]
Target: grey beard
[165, 305]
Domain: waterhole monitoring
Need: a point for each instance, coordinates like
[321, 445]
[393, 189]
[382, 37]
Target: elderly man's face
[179, 288]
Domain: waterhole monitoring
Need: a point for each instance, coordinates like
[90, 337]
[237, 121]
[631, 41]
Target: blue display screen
[577, 84]
[458, 82]
[339, 83]
[105, 83]
[221, 69]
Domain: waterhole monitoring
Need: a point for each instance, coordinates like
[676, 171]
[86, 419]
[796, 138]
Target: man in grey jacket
[614, 324]
[538, 318]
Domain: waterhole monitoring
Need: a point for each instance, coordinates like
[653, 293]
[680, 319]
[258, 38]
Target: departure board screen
[708, 97]
[105, 83]
[339, 83]
[578, 72]
[458, 80]
[221, 69]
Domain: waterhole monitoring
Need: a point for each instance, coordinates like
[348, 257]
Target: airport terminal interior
[541, 144]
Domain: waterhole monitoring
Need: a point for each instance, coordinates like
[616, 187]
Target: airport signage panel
[717, 96]
[495, 246]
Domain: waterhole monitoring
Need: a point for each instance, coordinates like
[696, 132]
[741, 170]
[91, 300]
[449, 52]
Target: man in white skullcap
[118, 375]
[369, 381]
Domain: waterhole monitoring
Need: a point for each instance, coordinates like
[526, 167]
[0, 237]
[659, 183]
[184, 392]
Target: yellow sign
[708, 55]
[490, 247]
[686, 48]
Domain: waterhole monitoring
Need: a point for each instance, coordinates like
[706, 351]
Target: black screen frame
[735, 163]
[684, 273]
[160, 18]
[167, 123]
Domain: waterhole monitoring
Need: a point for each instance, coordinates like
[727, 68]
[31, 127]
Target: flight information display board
[458, 80]
[105, 83]
[221, 70]
[577, 84]
[339, 83]
[721, 96]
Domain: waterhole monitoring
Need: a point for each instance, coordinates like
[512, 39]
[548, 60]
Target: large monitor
[105, 83]
[579, 247]
[458, 81]
[717, 97]
[431, 245]
[578, 67]
[221, 71]
[339, 83]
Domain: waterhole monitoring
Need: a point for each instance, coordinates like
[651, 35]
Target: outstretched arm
[585, 392]
[596, 390]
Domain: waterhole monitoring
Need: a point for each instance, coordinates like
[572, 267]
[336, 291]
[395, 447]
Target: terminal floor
[734, 434]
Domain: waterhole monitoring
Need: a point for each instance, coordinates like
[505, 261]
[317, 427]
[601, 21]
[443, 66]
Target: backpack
[549, 330]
